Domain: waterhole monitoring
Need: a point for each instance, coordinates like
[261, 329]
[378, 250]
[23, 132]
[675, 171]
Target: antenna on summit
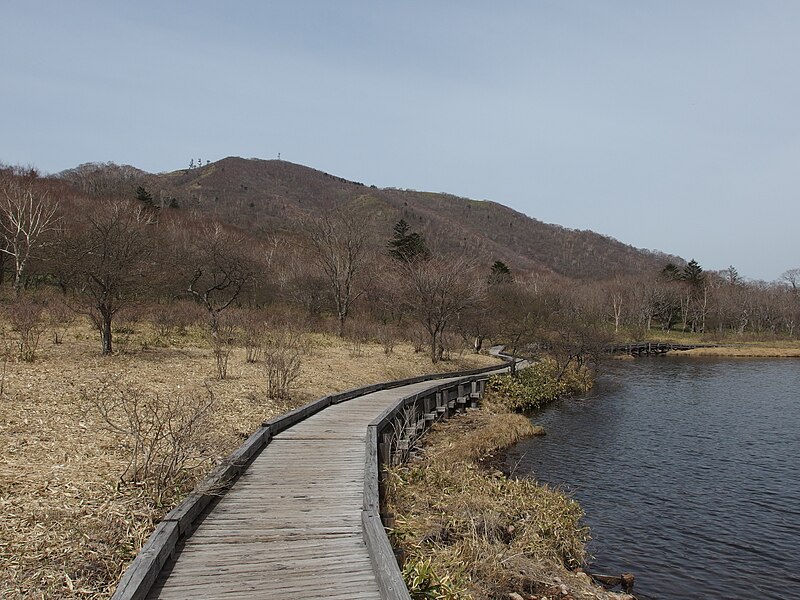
[279, 155]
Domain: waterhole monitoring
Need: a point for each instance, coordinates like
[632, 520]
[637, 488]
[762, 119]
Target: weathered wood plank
[383, 561]
[141, 575]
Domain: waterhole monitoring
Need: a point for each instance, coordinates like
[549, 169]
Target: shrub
[283, 353]
[175, 317]
[419, 339]
[358, 334]
[537, 385]
[222, 345]
[162, 434]
[59, 318]
[25, 316]
[387, 336]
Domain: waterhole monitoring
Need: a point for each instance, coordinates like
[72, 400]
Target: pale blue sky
[668, 125]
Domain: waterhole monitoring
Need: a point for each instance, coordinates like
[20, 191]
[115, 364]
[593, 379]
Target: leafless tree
[437, 291]
[616, 291]
[340, 248]
[104, 179]
[302, 283]
[109, 261]
[26, 217]
[219, 270]
[792, 278]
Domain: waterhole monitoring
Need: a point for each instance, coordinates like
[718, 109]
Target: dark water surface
[688, 470]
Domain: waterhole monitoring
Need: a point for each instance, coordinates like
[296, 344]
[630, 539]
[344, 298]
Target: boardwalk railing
[179, 523]
[390, 440]
[640, 348]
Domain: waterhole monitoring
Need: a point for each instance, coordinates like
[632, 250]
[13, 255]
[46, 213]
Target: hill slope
[269, 195]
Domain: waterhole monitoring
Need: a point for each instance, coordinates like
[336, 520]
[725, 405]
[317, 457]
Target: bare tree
[219, 270]
[437, 292]
[302, 283]
[615, 291]
[26, 216]
[109, 260]
[792, 278]
[518, 310]
[339, 245]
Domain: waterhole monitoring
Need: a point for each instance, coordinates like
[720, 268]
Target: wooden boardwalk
[290, 527]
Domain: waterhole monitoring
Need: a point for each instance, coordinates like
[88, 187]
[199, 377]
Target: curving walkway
[290, 527]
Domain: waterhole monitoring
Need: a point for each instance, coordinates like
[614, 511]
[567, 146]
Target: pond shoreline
[670, 437]
[432, 515]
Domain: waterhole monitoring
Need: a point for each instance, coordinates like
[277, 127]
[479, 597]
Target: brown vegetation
[467, 531]
[767, 350]
[274, 195]
[74, 508]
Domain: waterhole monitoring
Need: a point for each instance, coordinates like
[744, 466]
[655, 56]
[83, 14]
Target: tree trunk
[17, 284]
[340, 328]
[434, 345]
[213, 322]
[105, 334]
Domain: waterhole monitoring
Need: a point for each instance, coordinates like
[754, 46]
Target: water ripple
[688, 470]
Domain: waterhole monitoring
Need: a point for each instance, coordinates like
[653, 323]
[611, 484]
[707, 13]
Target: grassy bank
[69, 523]
[539, 384]
[754, 350]
[728, 345]
[467, 531]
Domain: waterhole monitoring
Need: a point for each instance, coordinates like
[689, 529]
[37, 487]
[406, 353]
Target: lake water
[688, 470]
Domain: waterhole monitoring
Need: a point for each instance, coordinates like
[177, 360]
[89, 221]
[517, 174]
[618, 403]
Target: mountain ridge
[276, 195]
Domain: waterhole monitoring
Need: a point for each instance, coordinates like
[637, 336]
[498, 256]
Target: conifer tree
[693, 273]
[407, 246]
[500, 273]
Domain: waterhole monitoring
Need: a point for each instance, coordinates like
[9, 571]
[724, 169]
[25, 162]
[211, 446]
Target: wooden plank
[371, 497]
[387, 572]
[144, 570]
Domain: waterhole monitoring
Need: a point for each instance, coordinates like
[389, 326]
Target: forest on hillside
[110, 253]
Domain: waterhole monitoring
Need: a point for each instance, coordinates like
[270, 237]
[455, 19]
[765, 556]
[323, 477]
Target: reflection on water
[689, 472]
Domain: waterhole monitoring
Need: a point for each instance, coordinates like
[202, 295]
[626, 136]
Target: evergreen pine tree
[693, 273]
[145, 197]
[500, 273]
[407, 246]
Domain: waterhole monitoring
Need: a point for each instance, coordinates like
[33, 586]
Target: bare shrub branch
[283, 354]
[25, 316]
[162, 434]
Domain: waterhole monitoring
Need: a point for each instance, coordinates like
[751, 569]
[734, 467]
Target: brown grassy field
[730, 345]
[68, 525]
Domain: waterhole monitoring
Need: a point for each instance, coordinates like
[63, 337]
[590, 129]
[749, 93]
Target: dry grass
[729, 345]
[765, 350]
[469, 532]
[67, 525]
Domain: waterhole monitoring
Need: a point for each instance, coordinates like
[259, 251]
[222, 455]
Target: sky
[671, 125]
